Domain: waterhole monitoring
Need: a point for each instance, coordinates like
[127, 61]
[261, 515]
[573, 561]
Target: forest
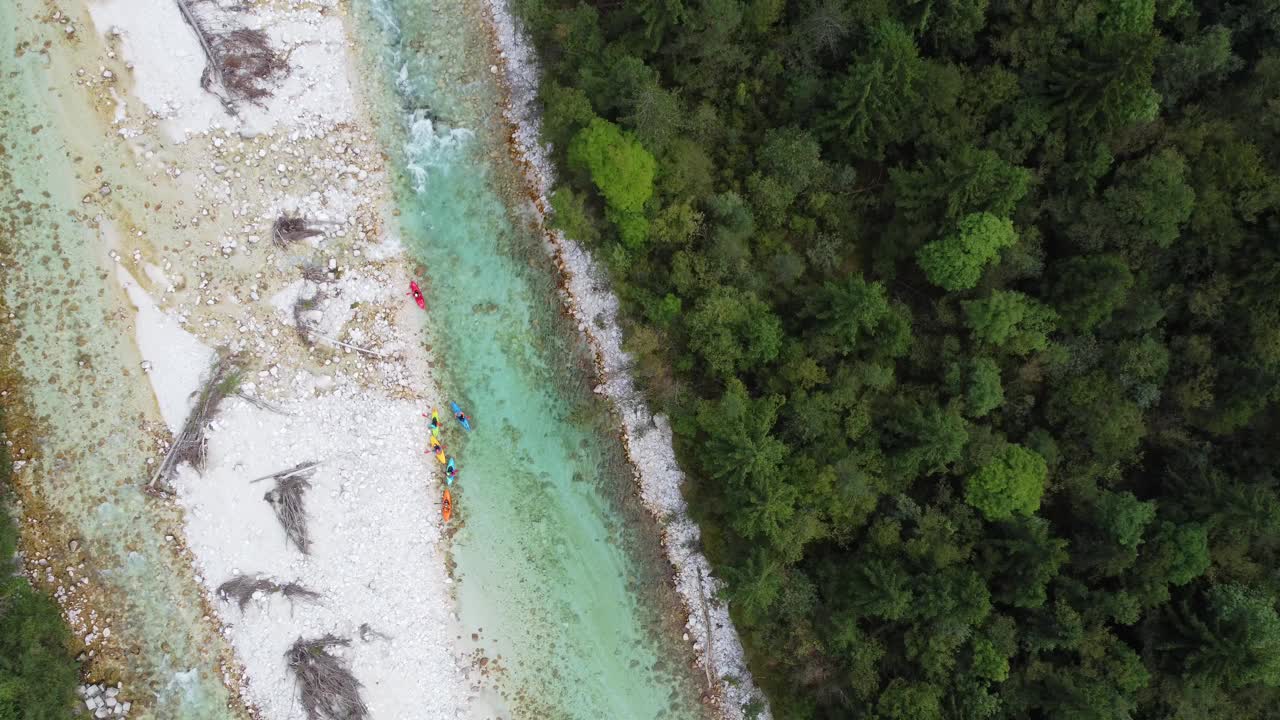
[967, 316]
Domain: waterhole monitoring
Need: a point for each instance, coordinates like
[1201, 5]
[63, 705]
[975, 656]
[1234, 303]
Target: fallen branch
[306, 329]
[288, 230]
[296, 592]
[303, 467]
[301, 324]
[240, 63]
[327, 688]
[706, 620]
[191, 445]
[357, 348]
[286, 500]
[368, 634]
[315, 273]
[211, 69]
[242, 589]
[260, 403]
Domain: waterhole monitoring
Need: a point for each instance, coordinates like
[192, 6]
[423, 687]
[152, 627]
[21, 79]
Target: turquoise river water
[558, 564]
[560, 572]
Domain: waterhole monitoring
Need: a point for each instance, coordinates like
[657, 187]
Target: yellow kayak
[438, 449]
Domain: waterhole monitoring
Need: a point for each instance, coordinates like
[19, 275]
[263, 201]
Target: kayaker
[417, 295]
[461, 416]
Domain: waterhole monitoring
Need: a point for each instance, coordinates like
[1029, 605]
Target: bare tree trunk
[213, 67]
[707, 658]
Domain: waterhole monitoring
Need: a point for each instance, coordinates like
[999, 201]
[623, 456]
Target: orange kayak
[446, 506]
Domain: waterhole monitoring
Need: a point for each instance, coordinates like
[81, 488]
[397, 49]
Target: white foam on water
[429, 147]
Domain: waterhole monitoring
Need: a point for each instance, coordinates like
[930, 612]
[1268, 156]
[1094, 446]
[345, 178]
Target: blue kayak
[462, 418]
[449, 472]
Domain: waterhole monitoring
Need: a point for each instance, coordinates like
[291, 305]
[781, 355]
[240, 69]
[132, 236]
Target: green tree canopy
[957, 261]
[740, 447]
[1236, 641]
[620, 167]
[874, 98]
[871, 377]
[1010, 321]
[952, 187]
[1089, 289]
[733, 331]
[1011, 484]
[981, 388]
[903, 700]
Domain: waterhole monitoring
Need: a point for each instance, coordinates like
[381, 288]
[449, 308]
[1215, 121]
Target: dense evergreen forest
[967, 314]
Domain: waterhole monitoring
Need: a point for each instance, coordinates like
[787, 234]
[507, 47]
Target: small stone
[102, 712]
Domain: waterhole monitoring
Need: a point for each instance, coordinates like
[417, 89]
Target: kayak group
[438, 449]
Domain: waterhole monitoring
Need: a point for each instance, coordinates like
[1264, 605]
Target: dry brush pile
[241, 590]
[286, 500]
[327, 688]
[240, 63]
[191, 445]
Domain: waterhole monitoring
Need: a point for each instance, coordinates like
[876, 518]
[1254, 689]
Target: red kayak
[417, 295]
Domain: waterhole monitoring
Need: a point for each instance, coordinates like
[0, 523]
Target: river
[559, 564]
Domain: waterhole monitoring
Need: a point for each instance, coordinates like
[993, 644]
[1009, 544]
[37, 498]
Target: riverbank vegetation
[37, 673]
[966, 314]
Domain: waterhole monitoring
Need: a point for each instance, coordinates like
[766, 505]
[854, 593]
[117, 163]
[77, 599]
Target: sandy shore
[190, 236]
[647, 438]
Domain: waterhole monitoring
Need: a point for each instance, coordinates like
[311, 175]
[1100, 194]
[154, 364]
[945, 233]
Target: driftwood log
[286, 499]
[190, 445]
